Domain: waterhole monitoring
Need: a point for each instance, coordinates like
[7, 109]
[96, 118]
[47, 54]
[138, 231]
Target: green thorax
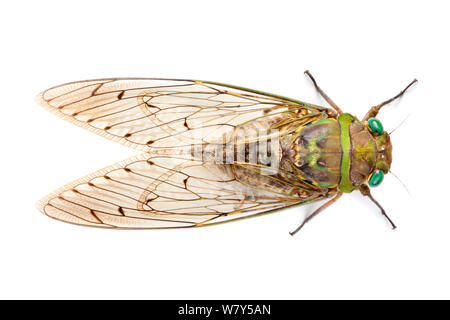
[339, 153]
[359, 152]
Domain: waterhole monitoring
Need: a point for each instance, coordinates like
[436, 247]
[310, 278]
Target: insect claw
[364, 189]
[292, 233]
[317, 211]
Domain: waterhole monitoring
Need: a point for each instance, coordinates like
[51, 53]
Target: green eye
[375, 125]
[376, 178]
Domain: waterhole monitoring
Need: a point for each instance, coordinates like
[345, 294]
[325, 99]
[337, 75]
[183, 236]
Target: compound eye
[375, 126]
[376, 178]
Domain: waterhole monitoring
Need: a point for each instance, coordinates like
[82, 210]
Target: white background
[361, 54]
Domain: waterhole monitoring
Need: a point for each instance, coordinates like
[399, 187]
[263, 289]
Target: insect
[212, 153]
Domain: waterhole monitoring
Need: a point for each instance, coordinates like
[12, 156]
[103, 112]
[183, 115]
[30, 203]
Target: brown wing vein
[161, 189]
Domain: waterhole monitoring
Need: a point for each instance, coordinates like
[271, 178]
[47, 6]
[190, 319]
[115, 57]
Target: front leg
[372, 113]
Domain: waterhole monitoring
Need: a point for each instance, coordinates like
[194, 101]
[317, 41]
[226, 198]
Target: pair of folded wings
[160, 189]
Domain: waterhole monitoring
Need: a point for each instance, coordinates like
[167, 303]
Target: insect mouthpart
[384, 152]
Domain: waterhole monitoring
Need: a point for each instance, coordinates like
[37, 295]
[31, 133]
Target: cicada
[212, 153]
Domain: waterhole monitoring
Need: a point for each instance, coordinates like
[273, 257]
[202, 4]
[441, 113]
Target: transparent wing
[152, 192]
[155, 113]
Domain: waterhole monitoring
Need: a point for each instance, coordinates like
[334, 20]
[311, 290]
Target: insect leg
[374, 110]
[154, 185]
[323, 94]
[366, 192]
[318, 210]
